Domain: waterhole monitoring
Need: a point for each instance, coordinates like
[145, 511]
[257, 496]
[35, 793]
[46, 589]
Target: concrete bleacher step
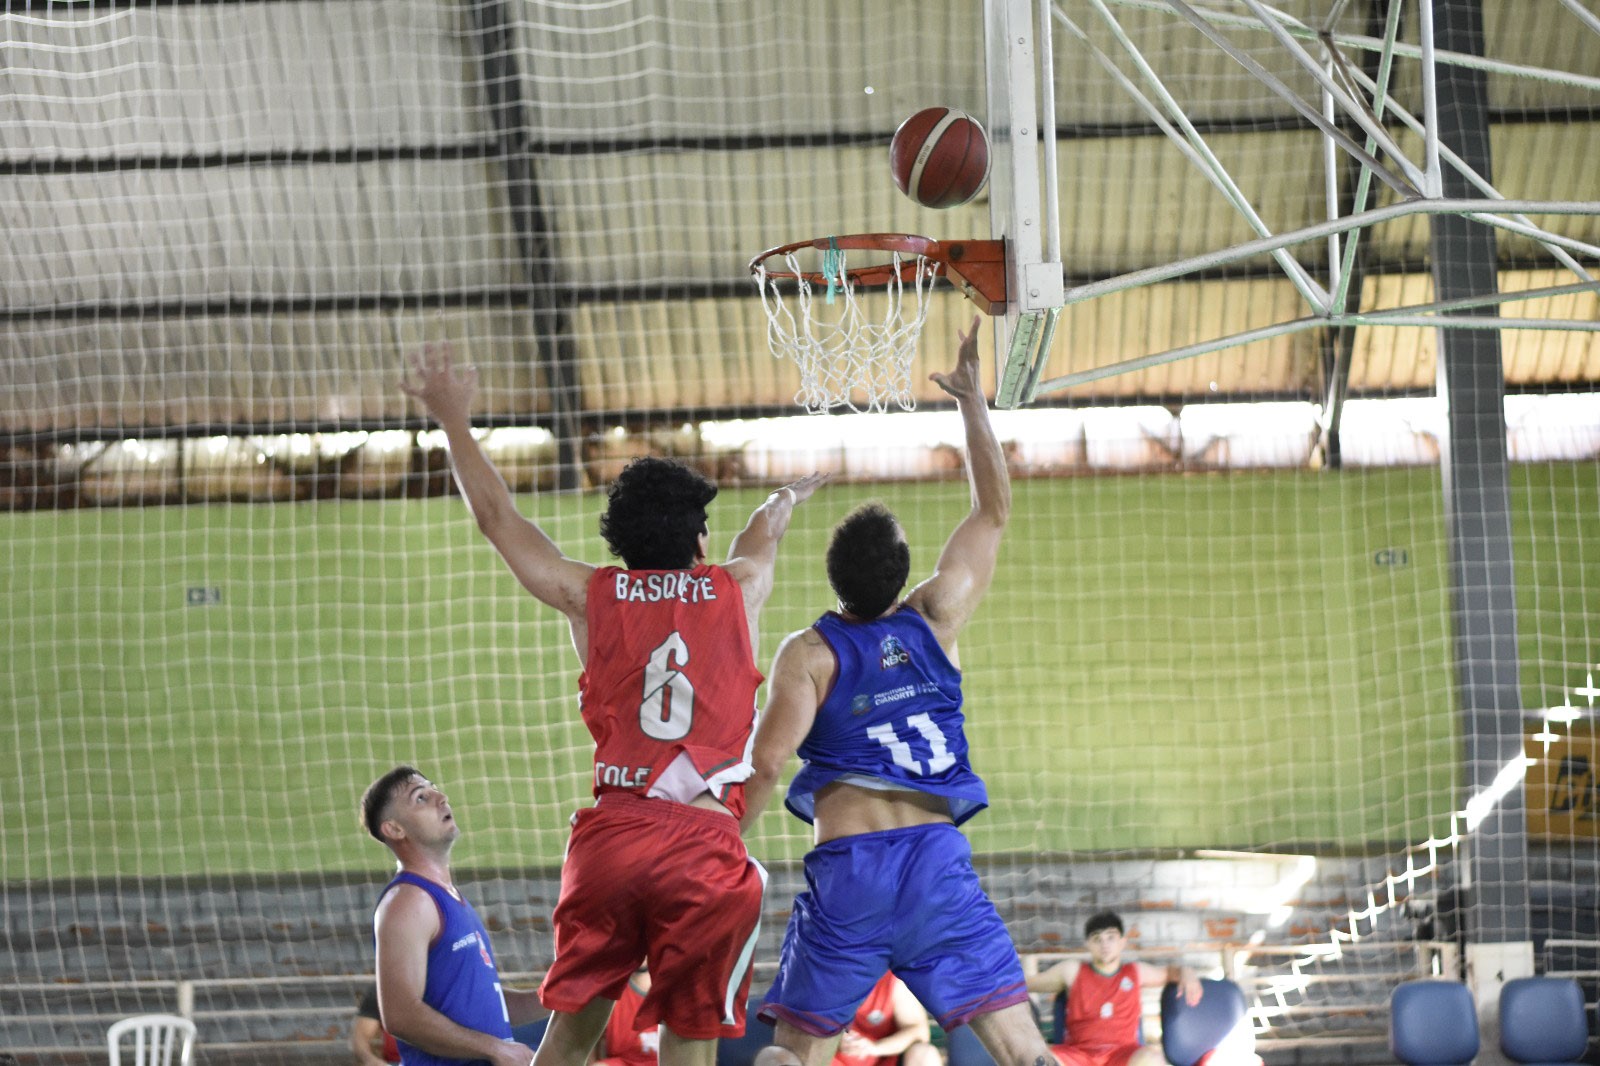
[1353, 1049]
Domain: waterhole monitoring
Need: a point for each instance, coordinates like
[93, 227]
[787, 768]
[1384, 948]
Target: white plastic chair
[158, 1040]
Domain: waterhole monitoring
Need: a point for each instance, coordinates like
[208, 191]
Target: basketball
[940, 157]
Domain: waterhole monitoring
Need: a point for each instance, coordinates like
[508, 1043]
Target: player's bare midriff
[847, 810]
[710, 803]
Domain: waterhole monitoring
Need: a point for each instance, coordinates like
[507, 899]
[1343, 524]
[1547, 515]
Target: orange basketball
[940, 157]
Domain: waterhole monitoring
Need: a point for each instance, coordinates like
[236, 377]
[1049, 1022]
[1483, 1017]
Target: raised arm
[754, 550]
[447, 393]
[1184, 977]
[793, 696]
[406, 922]
[965, 568]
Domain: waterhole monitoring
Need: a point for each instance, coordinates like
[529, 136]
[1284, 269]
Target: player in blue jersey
[438, 988]
[870, 697]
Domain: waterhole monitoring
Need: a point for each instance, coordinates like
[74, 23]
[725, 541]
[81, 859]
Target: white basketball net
[848, 358]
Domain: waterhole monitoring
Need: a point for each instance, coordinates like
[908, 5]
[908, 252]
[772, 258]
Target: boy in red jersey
[1104, 1003]
[370, 1042]
[656, 869]
[890, 1027]
[622, 1044]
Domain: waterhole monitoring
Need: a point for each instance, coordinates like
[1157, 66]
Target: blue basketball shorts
[906, 900]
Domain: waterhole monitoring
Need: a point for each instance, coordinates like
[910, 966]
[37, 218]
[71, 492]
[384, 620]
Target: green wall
[1172, 661]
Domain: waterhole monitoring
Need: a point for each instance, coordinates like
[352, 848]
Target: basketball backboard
[1022, 187]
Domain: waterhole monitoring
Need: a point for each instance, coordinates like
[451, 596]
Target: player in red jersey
[656, 869]
[622, 1044]
[1104, 1000]
[370, 1042]
[890, 1027]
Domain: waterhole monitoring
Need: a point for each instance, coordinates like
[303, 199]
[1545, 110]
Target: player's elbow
[767, 768]
[407, 1027]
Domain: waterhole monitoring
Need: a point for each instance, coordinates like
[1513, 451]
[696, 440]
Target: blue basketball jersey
[894, 714]
[463, 983]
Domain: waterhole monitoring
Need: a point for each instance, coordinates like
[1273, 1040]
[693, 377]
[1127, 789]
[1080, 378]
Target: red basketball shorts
[663, 881]
[1113, 1055]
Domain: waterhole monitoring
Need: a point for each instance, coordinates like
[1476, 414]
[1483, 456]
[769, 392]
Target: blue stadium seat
[1543, 1021]
[742, 1050]
[1215, 1031]
[1433, 1023]
[963, 1048]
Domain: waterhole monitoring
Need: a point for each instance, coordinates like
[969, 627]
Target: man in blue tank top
[438, 988]
[870, 697]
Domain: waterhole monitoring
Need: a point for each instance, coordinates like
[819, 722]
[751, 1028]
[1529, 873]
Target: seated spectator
[620, 1045]
[369, 1040]
[1104, 1002]
[890, 1027]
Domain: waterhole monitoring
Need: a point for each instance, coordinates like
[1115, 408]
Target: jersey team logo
[861, 704]
[892, 653]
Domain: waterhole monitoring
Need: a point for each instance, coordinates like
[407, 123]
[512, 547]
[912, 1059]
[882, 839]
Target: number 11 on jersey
[939, 757]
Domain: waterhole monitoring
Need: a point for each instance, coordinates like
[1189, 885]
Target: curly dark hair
[655, 513]
[375, 800]
[868, 561]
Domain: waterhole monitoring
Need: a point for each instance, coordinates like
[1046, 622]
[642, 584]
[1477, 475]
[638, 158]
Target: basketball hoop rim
[976, 267]
[875, 274]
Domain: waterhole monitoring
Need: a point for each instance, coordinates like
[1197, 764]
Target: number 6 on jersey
[667, 710]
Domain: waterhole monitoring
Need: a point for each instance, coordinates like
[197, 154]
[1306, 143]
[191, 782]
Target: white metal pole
[1477, 180]
[1330, 189]
[1433, 178]
[1047, 135]
[1589, 18]
[1380, 103]
[1353, 108]
[1192, 144]
[1487, 211]
[1373, 44]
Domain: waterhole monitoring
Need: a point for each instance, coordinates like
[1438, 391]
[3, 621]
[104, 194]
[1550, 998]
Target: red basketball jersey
[623, 1045]
[670, 672]
[874, 1020]
[1103, 1010]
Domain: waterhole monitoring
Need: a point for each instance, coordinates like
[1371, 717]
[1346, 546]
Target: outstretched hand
[807, 485]
[965, 381]
[438, 384]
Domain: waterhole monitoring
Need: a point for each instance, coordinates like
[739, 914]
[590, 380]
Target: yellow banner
[1563, 782]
